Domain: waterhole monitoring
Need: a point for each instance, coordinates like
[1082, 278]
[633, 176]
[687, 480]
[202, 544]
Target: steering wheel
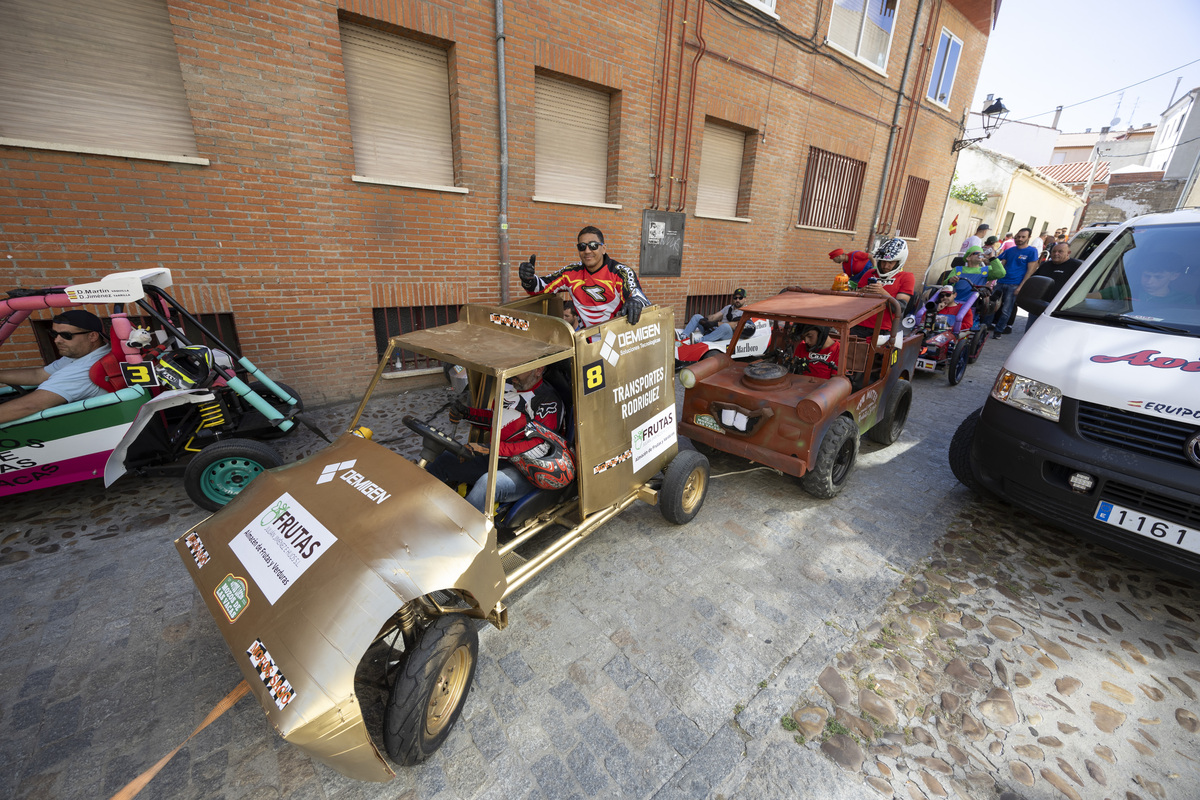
[436, 440]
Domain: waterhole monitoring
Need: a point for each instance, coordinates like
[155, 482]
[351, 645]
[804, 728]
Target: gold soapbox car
[357, 548]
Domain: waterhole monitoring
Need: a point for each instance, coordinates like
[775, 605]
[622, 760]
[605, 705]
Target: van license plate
[926, 363]
[1153, 527]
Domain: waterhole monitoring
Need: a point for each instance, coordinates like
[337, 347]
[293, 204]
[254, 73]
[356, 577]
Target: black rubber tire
[978, 338]
[684, 487]
[960, 452]
[895, 416]
[220, 471]
[835, 460]
[432, 672]
[254, 420]
[956, 367]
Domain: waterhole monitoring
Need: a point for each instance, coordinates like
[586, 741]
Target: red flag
[954, 225]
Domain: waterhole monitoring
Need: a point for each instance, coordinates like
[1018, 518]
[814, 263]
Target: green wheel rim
[223, 479]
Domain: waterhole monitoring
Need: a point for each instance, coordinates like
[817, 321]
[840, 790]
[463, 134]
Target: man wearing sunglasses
[598, 284]
[79, 337]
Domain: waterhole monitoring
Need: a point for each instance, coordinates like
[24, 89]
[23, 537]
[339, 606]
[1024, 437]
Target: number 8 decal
[593, 376]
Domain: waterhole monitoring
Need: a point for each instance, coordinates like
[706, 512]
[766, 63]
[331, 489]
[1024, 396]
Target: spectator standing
[856, 266]
[976, 240]
[1019, 262]
[1008, 242]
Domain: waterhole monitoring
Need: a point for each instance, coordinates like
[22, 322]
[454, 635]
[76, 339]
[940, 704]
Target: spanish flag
[954, 225]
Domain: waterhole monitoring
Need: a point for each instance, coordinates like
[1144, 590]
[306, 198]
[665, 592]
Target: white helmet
[891, 250]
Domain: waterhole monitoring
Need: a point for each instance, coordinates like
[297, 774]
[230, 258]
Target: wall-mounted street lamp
[993, 117]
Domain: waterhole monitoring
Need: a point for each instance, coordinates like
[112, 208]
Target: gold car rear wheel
[430, 689]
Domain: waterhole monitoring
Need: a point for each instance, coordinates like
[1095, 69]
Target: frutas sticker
[280, 545]
[652, 437]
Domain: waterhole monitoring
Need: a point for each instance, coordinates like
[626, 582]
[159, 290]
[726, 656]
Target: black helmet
[188, 367]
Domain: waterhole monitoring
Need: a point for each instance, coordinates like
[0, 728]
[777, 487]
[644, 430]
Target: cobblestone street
[905, 639]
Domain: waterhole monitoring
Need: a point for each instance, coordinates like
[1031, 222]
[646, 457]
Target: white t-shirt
[69, 377]
[971, 241]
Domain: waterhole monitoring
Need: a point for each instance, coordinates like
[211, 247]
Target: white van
[1093, 423]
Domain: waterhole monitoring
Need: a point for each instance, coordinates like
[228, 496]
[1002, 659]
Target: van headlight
[1028, 395]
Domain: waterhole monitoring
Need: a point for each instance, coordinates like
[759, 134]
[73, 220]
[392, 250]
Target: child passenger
[817, 352]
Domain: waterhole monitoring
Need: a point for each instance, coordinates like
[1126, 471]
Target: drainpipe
[887, 156]
[502, 218]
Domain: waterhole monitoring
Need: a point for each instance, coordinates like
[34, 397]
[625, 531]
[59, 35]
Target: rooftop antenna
[1171, 102]
[1116, 120]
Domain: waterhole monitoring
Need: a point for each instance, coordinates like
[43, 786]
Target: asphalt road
[905, 637]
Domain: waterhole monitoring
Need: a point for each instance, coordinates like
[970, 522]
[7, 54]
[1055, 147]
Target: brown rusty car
[356, 549]
[804, 426]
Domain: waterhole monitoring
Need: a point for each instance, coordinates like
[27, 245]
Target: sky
[1046, 53]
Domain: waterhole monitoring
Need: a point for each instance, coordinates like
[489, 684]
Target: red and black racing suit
[598, 295]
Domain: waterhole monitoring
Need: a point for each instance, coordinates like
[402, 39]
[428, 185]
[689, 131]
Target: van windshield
[1146, 277]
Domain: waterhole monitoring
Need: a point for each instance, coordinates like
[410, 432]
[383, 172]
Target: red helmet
[555, 468]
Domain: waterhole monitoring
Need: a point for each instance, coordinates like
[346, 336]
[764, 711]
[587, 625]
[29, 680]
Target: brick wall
[1127, 200]
[275, 228]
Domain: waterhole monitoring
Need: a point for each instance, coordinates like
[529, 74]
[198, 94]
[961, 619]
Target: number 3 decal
[139, 374]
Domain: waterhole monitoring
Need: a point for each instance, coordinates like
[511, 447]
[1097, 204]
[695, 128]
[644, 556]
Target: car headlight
[1028, 395]
[687, 378]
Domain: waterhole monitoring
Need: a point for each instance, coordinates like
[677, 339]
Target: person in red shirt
[817, 352]
[856, 266]
[600, 286]
[947, 310]
[894, 285]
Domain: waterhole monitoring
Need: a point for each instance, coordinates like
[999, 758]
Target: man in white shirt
[79, 337]
[976, 240]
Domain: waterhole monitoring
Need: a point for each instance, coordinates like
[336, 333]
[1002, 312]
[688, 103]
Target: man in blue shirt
[1020, 262]
[79, 337]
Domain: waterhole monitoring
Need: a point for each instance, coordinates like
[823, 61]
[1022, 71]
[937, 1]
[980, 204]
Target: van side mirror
[1036, 294]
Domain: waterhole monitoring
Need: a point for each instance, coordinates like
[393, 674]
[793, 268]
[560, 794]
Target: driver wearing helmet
[817, 352]
[79, 337]
[895, 286]
[526, 398]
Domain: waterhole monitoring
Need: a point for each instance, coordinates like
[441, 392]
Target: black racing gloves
[633, 310]
[527, 274]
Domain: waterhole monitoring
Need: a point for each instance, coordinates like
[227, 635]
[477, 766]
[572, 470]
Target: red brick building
[319, 172]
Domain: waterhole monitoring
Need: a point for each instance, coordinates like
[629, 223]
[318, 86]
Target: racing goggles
[67, 335]
[593, 246]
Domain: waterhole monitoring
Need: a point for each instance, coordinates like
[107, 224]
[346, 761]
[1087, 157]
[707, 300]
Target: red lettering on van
[1144, 358]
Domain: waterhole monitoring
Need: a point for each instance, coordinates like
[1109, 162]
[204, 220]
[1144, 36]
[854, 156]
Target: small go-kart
[751, 343]
[167, 398]
[949, 345]
[809, 427]
[356, 555]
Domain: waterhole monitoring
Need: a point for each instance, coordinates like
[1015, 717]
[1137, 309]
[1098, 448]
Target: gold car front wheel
[430, 689]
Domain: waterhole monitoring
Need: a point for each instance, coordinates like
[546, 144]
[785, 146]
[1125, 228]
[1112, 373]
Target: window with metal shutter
[913, 205]
[98, 76]
[832, 187]
[399, 96]
[720, 171]
[570, 142]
